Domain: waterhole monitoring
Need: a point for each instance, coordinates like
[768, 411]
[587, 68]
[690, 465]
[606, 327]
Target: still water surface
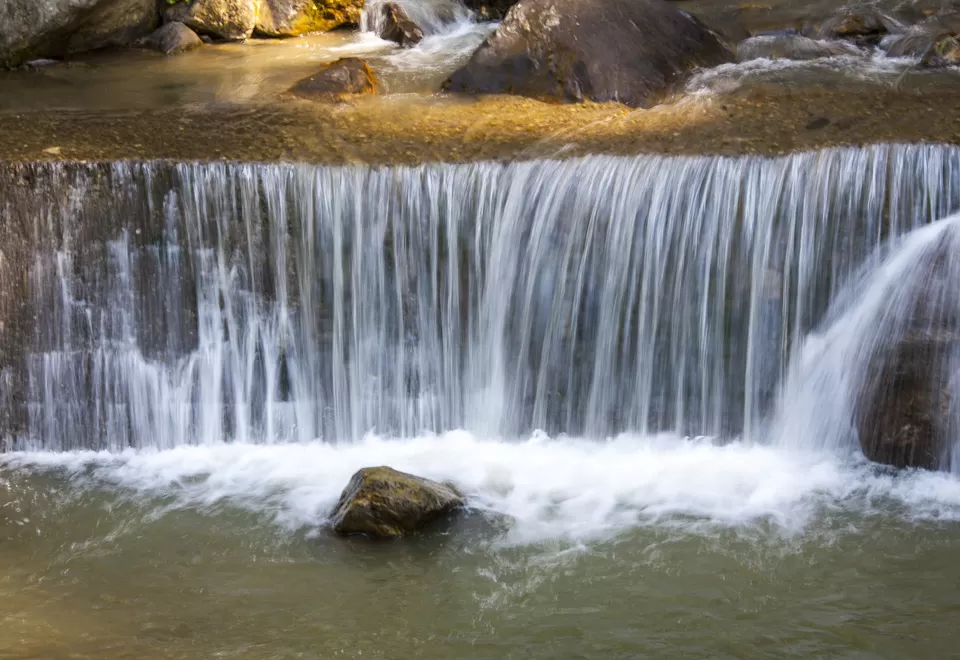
[627, 548]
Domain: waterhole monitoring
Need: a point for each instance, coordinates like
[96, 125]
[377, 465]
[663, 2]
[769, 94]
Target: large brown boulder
[862, 24]
[349, 75]
[385, 503]
[631, 51]
[229, 20]
[291, 18]
[32, 29]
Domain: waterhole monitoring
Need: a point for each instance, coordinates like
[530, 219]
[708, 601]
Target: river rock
[792, 47]
[385, 503]
[229, 20]
[35, 29]
[291, 18]
[396, 26]
[631, 51]
[172, 38]
[903, 417]
[864, 25]
[349, 75]
[490, 10]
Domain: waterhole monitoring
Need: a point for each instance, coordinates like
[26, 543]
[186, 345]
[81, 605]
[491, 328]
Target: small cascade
[158, 305]
[434, 17]
[883, 371]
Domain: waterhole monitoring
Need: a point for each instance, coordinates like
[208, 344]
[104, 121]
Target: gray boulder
[631, 51]
[229, 20]
[863, 24]
[792, 47]
[34, 29]
[385, 503]
[171, 39]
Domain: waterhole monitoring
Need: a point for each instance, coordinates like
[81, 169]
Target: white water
[574, 490]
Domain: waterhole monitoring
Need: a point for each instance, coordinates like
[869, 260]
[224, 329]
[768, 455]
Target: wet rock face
[864, 25]
[349, 75]
[229, 20]
[792, 47]
[396, 26]
[904, 416]
[631, 51]
[385, 503]
[33, 29]
[291, 18]
[489, 10]
[171, 39]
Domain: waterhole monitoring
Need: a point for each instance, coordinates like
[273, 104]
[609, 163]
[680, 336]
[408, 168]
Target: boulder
[171, 39]
[291, 18]
[395, 25]
[31, 29]
[349, 75]
[631, 51]
[489, 10]
[792, 47]
[864, 25]
[903, 415]
[229, 20]
[385, 503]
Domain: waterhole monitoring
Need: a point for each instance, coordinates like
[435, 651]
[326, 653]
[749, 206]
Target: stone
[171, 39]
[792, 47]
[903, 416]
[490, 10]
[349, 75]
[385, 503]
[630, 51]
[945, 52]
[37, 29]
[395, 25]
[864, 25]
[291, 18]
[227, 20]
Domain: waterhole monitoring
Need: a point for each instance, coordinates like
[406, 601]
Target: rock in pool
[349, 75]
[630, 51]
[385, 503]
[230, 20]
[171, 39]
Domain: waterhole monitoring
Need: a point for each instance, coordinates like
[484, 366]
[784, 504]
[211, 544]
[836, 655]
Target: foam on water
[547, 488]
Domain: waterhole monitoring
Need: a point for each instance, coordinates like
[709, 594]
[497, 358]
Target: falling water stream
[642, 372]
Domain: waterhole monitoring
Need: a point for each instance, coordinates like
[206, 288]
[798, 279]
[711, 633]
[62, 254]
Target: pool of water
[625, 548]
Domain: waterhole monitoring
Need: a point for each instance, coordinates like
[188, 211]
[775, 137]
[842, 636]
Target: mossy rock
[385, 503]
[291, 18]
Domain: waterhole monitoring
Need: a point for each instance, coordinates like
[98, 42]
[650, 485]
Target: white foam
[569, 489]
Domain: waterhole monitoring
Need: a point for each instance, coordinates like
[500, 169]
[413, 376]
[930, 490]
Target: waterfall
[157, 304]
[432, 16]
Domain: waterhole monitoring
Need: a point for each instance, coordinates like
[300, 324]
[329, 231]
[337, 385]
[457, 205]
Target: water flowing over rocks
[229, 20]
[171, 39]
[631, 51]
[349, 75]
[395, 25]
[290, 18]
[792, 47]
[385, 503]
[32, 29]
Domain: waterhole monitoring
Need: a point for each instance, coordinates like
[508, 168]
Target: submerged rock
[291, 18]
[30, 29]
[349, 75]
[229, 20]
[792, 47]
[396, 26]
[386, 503]
[631, 51]
[171, 39]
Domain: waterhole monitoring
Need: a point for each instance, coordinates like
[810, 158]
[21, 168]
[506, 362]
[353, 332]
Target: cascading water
[189, 304]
